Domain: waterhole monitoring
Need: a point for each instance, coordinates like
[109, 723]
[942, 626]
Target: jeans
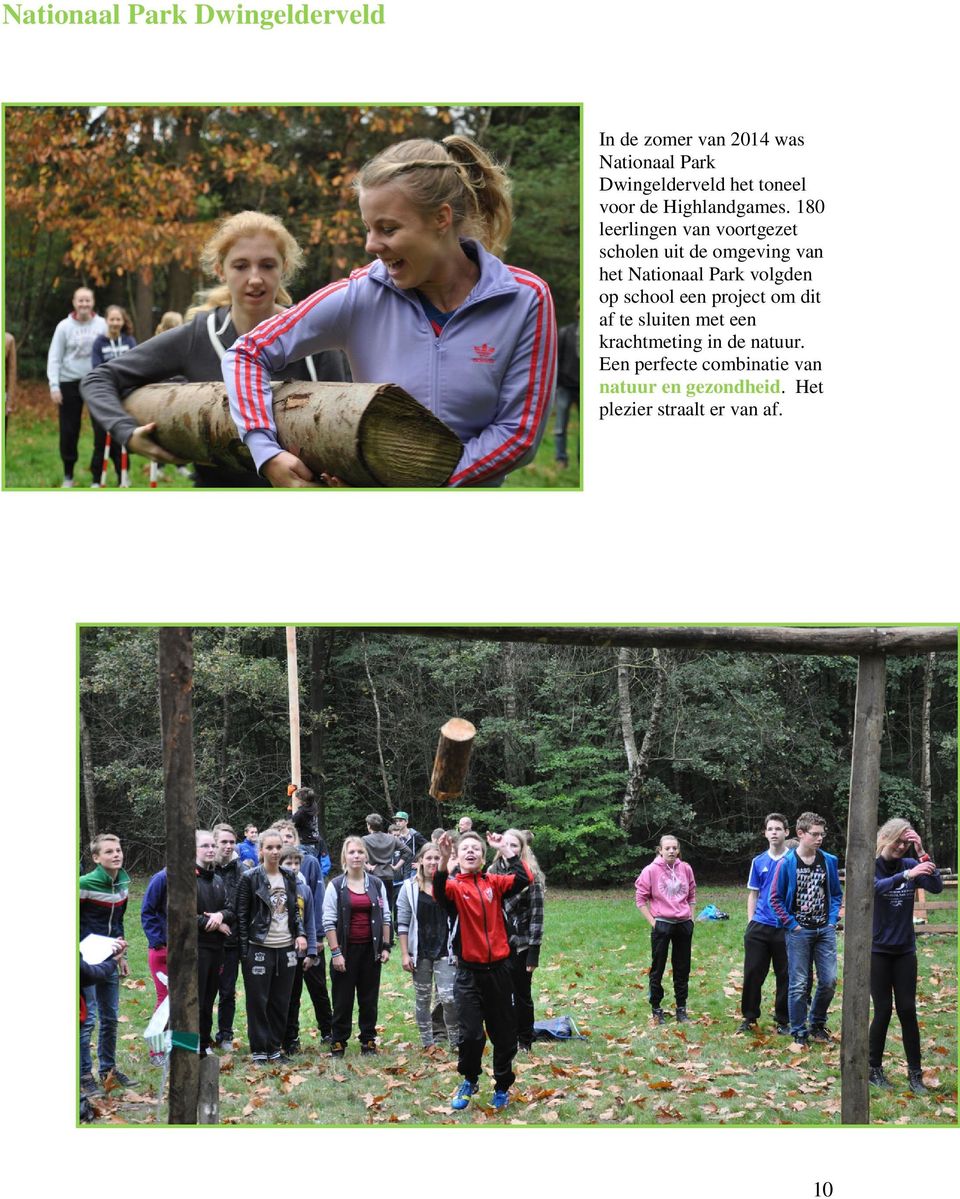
[103, 999]
[444, 974]
[819, 946]
[565, 399]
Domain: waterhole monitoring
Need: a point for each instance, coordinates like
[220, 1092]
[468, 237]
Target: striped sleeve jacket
[489, 375]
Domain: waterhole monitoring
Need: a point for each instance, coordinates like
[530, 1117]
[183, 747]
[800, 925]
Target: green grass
[594, 968]
[32, 460]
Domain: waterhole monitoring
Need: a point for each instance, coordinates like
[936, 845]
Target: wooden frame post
[293, 703]
[858, 901]
[175, 668]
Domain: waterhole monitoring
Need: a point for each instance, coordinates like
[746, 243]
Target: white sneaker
[66, 483]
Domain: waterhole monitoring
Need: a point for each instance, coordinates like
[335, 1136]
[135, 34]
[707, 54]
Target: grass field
[625, 1071]
[31, 458]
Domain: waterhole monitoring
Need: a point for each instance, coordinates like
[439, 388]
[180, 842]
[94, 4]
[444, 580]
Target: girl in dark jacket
[356, 921]
[893, 962]
[523, 913]
[254, 257]
[271, 936]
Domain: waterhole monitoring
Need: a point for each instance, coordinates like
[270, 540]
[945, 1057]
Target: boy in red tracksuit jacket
[484, 987]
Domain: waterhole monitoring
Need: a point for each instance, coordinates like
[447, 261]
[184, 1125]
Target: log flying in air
[367, 434]
[452, 759]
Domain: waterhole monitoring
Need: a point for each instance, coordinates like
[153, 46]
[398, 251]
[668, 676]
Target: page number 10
[824, 1190]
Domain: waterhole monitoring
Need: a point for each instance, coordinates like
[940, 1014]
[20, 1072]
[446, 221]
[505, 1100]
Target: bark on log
[367, 434]
[858, 899]
[732, 639]
[452, 759]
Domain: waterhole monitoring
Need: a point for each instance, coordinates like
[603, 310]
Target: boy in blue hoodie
[805, 896]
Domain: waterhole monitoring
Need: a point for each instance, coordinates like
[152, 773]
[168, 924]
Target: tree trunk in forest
[512, 765]
[175, 669]
[180, 289]
[452, 760]
[143, 325]
[858, 900]
[367, 434]
[376, 708]
[293, 704]
[86, 768]
[638, 762]
[321, 648]
[925, 772]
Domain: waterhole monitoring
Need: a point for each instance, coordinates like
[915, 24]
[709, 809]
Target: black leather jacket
[253, 907]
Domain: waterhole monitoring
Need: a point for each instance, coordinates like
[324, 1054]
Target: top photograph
[292, 296]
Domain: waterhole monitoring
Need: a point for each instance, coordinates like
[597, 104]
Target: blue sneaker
[500, 1100]
[462, 1097]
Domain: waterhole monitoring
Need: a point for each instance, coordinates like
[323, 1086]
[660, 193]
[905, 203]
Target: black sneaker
[367, 1048]
[118, 1076]
[915, 1078]
[87, 1114]
[879, 1079]
[821, 1034]
[682, 1017]
[659, 1016]
[88, 1085]
[292, 1049]
[783, 1030]
[338, 1049]
[747, 1027]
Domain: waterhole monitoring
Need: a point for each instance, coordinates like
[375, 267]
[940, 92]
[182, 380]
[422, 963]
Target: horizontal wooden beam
[730, 638]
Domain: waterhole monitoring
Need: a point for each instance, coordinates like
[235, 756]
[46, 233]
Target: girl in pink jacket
[666, 893]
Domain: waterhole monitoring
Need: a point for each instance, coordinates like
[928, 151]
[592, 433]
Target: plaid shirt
[524, 916]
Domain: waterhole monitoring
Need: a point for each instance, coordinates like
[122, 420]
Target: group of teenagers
[469, 933]
[794, 899]
[437, 312]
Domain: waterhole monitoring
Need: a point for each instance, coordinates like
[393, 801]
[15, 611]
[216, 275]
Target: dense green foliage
[740, 735]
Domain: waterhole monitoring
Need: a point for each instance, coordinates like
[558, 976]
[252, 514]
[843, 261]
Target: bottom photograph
[446, 876]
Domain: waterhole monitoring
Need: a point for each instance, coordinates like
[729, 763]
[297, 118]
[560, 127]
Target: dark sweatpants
[523, 996]
[267, 979]
[893, 979]
[360, 980]
[69, 414]
[209, 961]
[484, 998]
[763, 945]
[227, 1005]
[315, 980]
[663, 936]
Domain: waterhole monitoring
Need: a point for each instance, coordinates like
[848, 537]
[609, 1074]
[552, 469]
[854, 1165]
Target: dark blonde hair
[343, 849]
[127, 322]
[246, 224]
[430, 847]
[455, 171]
[169, 320]
[526, 853]
[892, 831]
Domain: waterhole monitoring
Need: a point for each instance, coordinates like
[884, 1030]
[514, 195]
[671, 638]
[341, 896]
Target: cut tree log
[367, 434]
[452, 759]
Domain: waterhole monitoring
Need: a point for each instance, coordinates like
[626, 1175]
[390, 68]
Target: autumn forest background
[121, 199]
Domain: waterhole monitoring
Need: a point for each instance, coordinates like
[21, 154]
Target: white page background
[842, 510]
